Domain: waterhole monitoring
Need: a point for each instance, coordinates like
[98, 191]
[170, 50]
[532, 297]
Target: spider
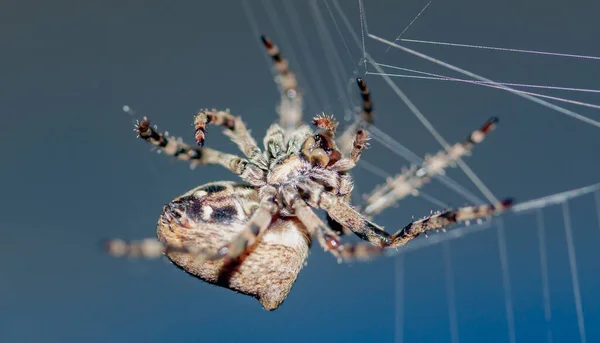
[253, 237]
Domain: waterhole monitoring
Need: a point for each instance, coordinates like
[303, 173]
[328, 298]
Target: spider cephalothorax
[254, 237]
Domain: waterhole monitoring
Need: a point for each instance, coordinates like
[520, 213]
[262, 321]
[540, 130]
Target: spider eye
[318, 140]
[324, 142]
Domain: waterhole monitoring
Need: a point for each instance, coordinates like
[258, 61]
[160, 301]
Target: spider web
[331, 42]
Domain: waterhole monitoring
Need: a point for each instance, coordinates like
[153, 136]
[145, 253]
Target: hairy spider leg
[235, 129]
[358, 145]
[443, 219]
[411, 180]
[349, 218]
[367, 105]
[290, 106]
[175, 147]
[328, 238]
[274, 142]
[362, 122]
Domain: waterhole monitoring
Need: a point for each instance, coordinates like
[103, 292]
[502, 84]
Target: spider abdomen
[210, 216]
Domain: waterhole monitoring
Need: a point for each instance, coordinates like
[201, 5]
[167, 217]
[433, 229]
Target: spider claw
[266, 41]
[142, 126]
[361, 83]
[489, 125]
[505, 204]
[200, 136]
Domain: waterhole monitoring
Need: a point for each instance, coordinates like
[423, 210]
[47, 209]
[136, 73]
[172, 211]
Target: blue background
[73, 173]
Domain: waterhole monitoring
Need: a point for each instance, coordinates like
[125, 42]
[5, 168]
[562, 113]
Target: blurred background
[73, 173]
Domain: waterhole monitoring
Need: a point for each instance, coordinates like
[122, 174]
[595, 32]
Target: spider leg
[175, 147]
[341, 212]
[297, 138]
[152, 248]
[410, 181]
[367, 105]
[326, 237]
[365, 119]
[329, 239]
[443, 219]
[358, 145]
[290, 106]
[274, 142]
[235, 129]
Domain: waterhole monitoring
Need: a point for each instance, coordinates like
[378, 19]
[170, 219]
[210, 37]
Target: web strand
[466, 169]
[574, 273]
[544, 273]
[332, 57]
[448, 78]
[487, 84]
[559, 54]
[399, 306]
[450, 294]
[409, 25]
[481, 78]
[305, 50]
[508, 303]
[363, 28]
[597, 199]
[291, 54]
